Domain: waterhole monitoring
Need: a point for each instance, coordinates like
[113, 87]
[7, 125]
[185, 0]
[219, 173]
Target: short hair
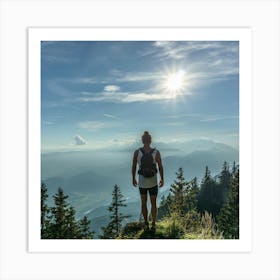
[146, 137]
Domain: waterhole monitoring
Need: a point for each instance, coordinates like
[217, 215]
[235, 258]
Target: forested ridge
[209, 210]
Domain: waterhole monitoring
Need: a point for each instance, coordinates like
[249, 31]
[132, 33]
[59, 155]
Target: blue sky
[98, 94]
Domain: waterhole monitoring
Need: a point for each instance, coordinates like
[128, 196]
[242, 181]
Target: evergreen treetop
[113, 229]
[58, 222]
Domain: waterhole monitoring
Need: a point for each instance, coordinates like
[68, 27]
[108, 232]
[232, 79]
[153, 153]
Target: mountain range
[88, 177]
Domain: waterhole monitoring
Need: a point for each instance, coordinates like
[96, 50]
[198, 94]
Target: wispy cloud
[175, 123]
[218, 118]
[56, 87]
[111, 88]
[111, 116]
[205, 60]
[182, 49]
[210, 62]
[114, 76]
[137, 76]
[91, 125]
[97, 125]
[125, 97]
[197, 118]
[84, 80]
[58, 52]
[179, 116]
[169, 49]
[142, 97]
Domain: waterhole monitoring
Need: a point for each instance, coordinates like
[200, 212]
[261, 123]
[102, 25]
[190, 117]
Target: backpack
[147, 168]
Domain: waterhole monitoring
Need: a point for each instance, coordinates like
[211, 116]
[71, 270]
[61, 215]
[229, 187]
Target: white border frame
[243, 35]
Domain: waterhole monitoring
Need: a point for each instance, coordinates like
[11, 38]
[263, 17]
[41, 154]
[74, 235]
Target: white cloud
[111, 88]
[127, 97]
[111, 116]
[79, 140]
[114, 76]
[137, 97]
[218, 118]
[163, 43]
[169, 49]
[138, 76]
[122, 140]
[212, 59]
[83, 80]
[183, 49]
[91, 125]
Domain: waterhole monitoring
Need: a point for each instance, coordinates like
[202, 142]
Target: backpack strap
[143, 151]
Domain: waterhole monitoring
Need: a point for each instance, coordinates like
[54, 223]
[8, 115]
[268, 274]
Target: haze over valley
[88, 177]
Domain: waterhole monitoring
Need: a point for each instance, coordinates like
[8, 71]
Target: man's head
[146, 138]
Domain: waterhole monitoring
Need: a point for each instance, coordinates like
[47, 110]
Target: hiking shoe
[153, 228]
[146, 226]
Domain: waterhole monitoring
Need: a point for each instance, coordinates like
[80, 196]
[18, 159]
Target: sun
[175, 82]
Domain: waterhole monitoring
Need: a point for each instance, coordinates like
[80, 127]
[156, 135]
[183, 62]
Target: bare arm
[134, 164]
[160, 168]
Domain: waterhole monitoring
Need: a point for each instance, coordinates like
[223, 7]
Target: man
[148, 160]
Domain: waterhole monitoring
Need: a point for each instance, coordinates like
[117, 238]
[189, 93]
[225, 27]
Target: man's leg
[144, 207]
[154, 208]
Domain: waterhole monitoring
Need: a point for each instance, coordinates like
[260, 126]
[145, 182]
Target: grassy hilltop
[193, 226]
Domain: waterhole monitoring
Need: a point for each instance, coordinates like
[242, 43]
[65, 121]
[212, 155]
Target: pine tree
[164, 206]
[58, 226]
[113, 229]
[228, 218]
[58, 222]
[177, 190]
[44, 211]
[207, 200]
[224, 182]
[72, 226]
[162, 209]
[182, 198]
[192, 191]
[204, 192]
[84, 229]
[234, 169]
[207, 176]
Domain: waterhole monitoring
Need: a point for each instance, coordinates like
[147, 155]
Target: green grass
[171, 228]
[163, 231]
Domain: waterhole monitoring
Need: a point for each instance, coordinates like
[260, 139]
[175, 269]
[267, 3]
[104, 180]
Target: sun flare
[175, 82]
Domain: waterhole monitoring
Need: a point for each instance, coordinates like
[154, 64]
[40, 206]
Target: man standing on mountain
[149, 163]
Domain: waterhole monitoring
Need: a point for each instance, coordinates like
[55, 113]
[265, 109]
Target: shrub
[192, 221]
[208, 228]
[175, 226]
